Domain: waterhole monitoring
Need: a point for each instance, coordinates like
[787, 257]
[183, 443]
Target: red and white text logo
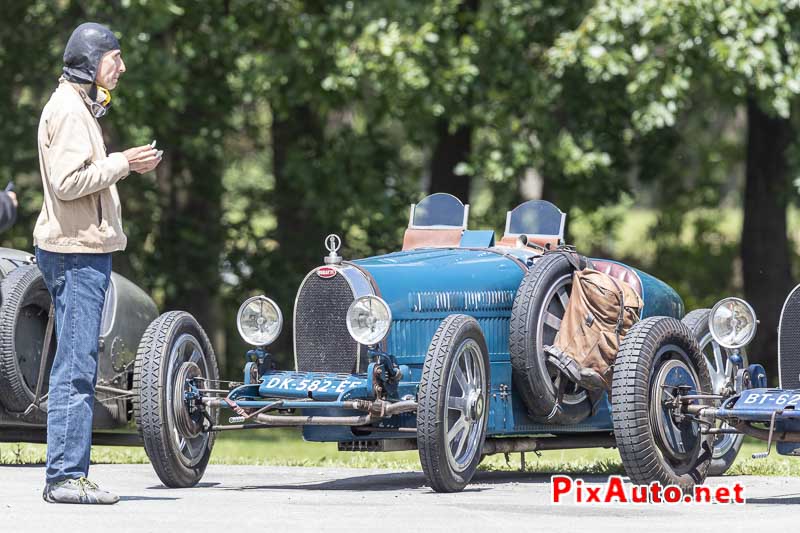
[326, 272]
[565, 489]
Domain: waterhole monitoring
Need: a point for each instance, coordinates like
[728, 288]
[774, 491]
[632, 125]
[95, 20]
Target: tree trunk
[454, 147]
[297, 136]
[190, 242]
[296, 139]
[766, 259]
[451, 149]
[191, 233]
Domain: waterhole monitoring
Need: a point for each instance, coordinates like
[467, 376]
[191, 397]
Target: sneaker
[79, 490]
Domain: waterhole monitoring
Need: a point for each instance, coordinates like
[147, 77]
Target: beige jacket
[81, 212]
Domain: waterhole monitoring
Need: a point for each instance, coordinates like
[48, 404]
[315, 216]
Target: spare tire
[539, 306]
[23, 321]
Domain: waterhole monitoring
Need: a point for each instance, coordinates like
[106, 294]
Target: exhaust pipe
[536, 444]
[377, 410]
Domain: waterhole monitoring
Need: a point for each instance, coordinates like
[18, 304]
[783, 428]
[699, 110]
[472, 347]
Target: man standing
[78, 228]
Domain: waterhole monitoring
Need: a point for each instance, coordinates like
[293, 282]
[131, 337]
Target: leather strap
[48, 335]
[578, 261]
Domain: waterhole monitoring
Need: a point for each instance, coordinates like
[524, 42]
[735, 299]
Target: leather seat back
[510, 241]
[432, 238]
[620, 272]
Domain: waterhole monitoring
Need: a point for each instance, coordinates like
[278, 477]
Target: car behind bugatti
[27, 348]
[683, 408]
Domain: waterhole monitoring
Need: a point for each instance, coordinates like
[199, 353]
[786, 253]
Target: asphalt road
[323, 499]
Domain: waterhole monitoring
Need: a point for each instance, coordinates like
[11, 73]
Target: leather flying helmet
[85, 48]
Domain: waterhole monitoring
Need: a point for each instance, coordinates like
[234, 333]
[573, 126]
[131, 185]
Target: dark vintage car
[684, 406]
[437, 347]
[24, 316]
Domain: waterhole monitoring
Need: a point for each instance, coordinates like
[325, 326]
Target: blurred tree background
[666, 129]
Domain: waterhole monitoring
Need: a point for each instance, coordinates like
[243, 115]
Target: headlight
[368, 320]
[732, 323]
[259, 321]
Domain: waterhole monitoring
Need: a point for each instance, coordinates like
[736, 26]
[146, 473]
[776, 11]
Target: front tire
[657, 355]
[173, 348]
[453, 404]
[726, 446]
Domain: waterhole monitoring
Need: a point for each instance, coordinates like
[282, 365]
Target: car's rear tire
[173, 436]
[453, 404]
[539, 306]
[24, 313]
[726, 446]
[658, 354]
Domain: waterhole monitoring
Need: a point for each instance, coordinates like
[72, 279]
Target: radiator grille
[789, 342]
[321, 340]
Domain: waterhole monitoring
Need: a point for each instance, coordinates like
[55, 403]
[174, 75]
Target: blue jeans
[77, 284]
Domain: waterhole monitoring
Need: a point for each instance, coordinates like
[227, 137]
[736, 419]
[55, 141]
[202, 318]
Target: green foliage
[285, 120]
[680, 70]
[662, 47]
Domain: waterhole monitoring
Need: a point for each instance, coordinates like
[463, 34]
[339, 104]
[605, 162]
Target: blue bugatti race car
[439, 347]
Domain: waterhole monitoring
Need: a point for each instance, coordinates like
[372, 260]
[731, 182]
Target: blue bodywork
[422, 287]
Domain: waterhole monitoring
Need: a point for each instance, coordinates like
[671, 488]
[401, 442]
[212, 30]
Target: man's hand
[13, 197]
[142, 158]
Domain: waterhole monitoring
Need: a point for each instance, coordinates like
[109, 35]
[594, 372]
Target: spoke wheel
[726, 446]
[539, 307]
[465, 405]
[453, 408]
[173, 350]
[550, 316]
[187, 433]
[678, 439]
